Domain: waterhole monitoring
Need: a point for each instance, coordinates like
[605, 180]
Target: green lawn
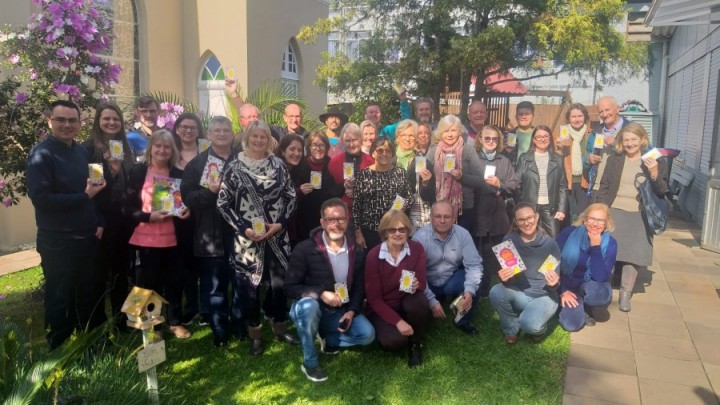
[457, 369]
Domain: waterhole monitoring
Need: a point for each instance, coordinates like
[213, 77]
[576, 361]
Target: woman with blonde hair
[619, 190]
[369, 133]
[405, 141]
[156, 233]
[257, 199]
[586, 264]
[400, 316]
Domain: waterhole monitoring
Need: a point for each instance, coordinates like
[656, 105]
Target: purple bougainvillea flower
[20, 98]
[14, 59]
[2, 184]
[2, 297]
[7, 202]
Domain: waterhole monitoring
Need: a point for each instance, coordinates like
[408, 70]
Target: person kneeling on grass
[325, 280]
[395, 281]
[528, 299]
[454, 266]
[588, 257]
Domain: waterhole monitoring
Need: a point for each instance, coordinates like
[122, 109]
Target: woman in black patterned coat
[257, 199]
[376, 191]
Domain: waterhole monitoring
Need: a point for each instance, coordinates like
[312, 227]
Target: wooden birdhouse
[143, 308]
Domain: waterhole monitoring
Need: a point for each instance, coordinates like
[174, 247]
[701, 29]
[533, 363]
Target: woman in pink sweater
[399, 314]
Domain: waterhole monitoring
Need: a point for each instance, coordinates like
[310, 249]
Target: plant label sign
[152, 355]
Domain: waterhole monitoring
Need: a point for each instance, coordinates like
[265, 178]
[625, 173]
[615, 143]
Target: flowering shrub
[59, 55]
[169, 111]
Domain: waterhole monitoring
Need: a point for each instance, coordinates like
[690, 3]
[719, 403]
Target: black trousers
[162, 272]
[547, 220]
[275, 303]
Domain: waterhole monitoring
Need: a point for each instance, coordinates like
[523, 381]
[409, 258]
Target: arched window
[211, 88]
[289, 72]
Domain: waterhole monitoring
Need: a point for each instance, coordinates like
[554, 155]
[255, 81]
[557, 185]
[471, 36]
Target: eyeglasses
[523, 221]
[539, 137]
[187, 128]
[65, 121]
[599, 221]
[338, 220]
[384, 151]
[317, 146]
[401, 230]
[488, 139]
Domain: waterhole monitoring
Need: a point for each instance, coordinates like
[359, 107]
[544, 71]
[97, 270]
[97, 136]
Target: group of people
[357, 233]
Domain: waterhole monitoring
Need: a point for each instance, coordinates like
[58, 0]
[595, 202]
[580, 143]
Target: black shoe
[415, 355]
[314, 374]
[256, 349]
[241, 337]
[468, 328]
[287, 337]
[220, 341]
[188, 319]
[328, 349]
[537, 338]
[204, 320]
[589, 320]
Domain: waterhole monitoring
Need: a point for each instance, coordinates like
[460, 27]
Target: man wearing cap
[518, 140]
[334, 121]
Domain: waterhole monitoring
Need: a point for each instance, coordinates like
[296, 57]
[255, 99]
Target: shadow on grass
[458, 369]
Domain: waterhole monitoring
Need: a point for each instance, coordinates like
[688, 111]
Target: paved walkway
[18, 261]
[667, 349]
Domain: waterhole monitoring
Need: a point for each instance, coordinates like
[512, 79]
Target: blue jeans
[311, 317]
[453, 287]
[518, 311]
[597, 294]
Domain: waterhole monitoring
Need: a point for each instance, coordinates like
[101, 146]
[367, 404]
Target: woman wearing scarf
[572, 141]
[351, 138]
[405, 140]
[424, 134]
[257, 199]
[587, 261]
[457, 169]
[526, 300]
[491, 218]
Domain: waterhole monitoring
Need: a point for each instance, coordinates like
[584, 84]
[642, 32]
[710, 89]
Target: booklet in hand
[509, 257]
[456, 309]
[166, 196]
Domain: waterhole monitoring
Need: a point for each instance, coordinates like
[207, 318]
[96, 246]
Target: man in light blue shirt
[454, 266]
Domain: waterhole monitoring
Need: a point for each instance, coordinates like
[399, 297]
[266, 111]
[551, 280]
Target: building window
[211, 88]
[290, 79]
[349, 44]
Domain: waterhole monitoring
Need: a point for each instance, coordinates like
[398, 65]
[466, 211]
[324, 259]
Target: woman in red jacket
[399, 314]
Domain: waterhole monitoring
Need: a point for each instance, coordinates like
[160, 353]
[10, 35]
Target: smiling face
[577, 119]
[352, 143]
[596, 222]
[524, 117]
[161, 152]
[334, 222]
[541, 140]
[318, 149]
[423, 112]
[383, 155]
[477, 113]
[220, 135]
[632, 144]
[293, 153]
[109, 122]
[406, 138]
[489, 139]
[373, 114]
[451, 135]
[187, 130]
[64, 123]
[441, 219]
[609, 111]
[397, 235]
[258, 142]
[293, 117]
[333, 122]
[423, 136]
[148, 115]
[527, 222]
[368, 136]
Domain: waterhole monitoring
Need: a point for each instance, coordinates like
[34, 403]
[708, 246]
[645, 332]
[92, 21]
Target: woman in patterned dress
[257, 199]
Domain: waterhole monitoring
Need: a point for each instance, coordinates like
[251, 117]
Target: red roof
[511, 86]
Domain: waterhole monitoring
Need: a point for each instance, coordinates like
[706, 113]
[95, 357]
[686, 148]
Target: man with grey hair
[477, 115]
[212, 242]
[424, 107]
[610, 124]
[454, 267]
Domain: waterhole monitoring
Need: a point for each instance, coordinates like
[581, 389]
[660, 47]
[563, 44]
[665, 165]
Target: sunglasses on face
[401, 230]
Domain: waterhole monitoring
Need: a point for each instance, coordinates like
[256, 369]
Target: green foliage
[428, 44]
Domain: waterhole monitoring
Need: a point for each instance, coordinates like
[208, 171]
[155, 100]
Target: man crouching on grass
[325, 280]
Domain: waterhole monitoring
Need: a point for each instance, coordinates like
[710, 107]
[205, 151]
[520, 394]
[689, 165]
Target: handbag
[655, 208]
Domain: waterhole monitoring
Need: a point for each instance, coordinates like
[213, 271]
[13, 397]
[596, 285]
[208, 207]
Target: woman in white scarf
[572, 142]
